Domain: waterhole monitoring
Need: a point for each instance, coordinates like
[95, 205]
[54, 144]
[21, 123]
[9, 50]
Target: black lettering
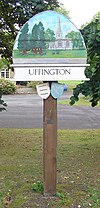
[48, 71]
[31, 71]
[62, 71]
[39, 71]
[45, 71]
[51, 71]
[68, 71]
[57, 71]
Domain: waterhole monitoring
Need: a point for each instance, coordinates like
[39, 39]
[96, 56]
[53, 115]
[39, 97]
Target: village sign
[49, 47]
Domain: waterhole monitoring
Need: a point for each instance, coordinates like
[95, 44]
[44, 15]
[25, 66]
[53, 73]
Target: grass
[21, 166]
[49, 54]
[71, 84]
[81, 102]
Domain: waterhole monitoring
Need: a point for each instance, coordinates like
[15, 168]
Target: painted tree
[41, 36]
[49, 36]
[23, 42]
[91, 87]
[76, 39]
[38, 38]
[33, 37]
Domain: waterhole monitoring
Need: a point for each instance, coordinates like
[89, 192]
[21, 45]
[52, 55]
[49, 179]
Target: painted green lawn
[78, 166]
[50, 54]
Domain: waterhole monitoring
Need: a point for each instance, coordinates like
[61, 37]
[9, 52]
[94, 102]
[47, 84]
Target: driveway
[26, 111]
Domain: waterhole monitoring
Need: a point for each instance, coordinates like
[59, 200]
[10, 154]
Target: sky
[48, 17]
[81, 11]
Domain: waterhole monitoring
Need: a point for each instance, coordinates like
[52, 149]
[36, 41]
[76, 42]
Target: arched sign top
[49, 37]
[49, 47]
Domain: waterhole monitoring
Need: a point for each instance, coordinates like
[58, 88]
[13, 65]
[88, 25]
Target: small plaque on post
[43, 90]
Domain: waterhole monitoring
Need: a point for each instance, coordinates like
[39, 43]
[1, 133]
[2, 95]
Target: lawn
[83, 101]
[78, 162]
[52, 54]
[71, 84]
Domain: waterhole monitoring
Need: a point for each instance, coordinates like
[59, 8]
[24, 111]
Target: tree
[38, 38]
[49, 35]
[23, 42]
[41, 37]
[91, 87]
[33, 37]
[3, 63]
[62, 10]
[13, 14]
[76, 39]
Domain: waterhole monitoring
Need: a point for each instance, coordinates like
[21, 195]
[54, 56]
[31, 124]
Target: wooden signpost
[49, 48]
[50, 145]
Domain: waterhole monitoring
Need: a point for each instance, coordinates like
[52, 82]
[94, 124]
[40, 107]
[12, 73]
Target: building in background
[4, 71]
[60, 43]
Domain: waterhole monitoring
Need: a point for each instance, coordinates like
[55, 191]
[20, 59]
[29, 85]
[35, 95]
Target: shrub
[7, 87]
[3, 105]
[33, 84]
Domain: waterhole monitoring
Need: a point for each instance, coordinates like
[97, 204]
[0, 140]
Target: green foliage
[33, 84]
[91, 87]
[31, 41]
[38, 187]
[77, 39]
[82, 101]
[92, 198]
[4, 63]
[63, 199]
[23, 39]
[60, 195]
[13, 14]
[62, 10]
[3, 105]
[49, 34]
[7, 87]
[36, 37]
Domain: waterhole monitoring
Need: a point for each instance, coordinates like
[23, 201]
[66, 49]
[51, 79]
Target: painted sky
[50, 20]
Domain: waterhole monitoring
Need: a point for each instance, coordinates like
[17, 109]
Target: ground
[78, 177]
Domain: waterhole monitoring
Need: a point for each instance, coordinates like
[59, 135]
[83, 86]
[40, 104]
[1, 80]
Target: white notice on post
[48, 73]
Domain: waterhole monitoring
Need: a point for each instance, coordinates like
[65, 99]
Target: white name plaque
[49, 72]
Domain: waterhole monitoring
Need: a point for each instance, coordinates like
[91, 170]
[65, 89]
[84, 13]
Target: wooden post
[49, 145]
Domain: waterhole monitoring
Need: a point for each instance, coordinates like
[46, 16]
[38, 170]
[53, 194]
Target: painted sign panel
[48, 73]
[48, 38]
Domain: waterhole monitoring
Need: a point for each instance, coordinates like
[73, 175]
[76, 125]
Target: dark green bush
[7, 87]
